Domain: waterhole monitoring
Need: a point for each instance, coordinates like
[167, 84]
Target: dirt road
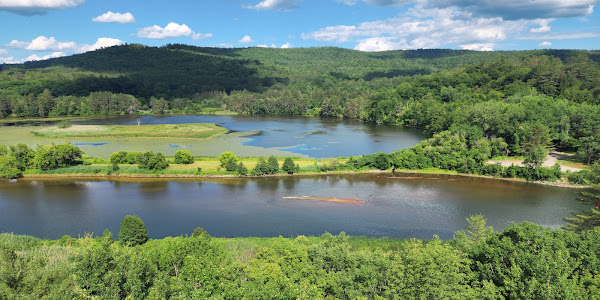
[549, 162]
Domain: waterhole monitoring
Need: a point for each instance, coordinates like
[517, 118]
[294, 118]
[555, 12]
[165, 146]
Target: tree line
[523, 261]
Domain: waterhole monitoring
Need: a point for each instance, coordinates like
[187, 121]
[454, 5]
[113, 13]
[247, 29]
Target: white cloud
[423, 28]
[543, 26]
[224, 45]
[33, 57]
[246, 39]
[36, 7]
[378, 44]
[172, 30]
[283, 5]
[378, 2]
[507, 9]
[3, 51]
[42, 43]
[286, 46]
[561, 36]
[102, 42]
[545, 44]
[478, 47]
[111, 17]
[17, 44]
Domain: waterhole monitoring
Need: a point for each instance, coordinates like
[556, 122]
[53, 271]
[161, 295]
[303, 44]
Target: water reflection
[403, 205]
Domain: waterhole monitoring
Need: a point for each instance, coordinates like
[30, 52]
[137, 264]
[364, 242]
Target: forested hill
[186, 71]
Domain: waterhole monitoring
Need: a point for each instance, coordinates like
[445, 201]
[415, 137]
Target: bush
[120, 157]
[133, 231]
[184, 157]
[134, 157]
[200, 233]
[154, 162]
[56, 156]
[9, 168]
[23, 154]
[228, 160]
[64, 124]
[330, 164]
[3, 150]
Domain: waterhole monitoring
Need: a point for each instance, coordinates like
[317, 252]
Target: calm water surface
[395, 207]
[310, 136]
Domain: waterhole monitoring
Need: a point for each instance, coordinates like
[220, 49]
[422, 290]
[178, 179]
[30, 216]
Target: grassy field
[195, 131]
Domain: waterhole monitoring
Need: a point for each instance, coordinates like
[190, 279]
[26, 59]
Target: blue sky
[39, 29]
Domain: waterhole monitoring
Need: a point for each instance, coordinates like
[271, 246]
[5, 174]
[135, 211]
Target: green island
[499, 114]
[189, 131]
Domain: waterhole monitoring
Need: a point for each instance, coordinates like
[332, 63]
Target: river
[403, 207]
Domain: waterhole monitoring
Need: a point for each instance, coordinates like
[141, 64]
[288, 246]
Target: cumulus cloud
[478, 47]
[545, 44]
[33, 57]
[102, 42]
[111, 17]
[283, 5]
[543, 26]
[246, 39]
[43, 43]
[425, 28]
[172, 30]
[17, 44]
[36, 7]
[286, 45]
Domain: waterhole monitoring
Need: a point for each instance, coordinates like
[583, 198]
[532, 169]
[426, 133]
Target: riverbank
[126, 177]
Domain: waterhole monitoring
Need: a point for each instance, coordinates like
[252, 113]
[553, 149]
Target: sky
[42, 29]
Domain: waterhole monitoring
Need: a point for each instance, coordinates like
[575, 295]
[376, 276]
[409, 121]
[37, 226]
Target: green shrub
[132, 231]
[3, 150]
[23, 154]
[154, 162]
[9, 168]
[184, 157]
[200, 233]
[120, 157]
[56, 156]
[64, 124]
[228, 160]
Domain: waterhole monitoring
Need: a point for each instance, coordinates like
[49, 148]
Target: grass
[195, 131]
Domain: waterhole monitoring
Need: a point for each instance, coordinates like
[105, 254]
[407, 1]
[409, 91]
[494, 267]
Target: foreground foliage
[524, 261]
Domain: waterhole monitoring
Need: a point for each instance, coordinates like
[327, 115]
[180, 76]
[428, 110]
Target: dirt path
[550, 161]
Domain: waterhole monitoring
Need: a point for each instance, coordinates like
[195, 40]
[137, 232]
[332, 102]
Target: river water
[404, 206]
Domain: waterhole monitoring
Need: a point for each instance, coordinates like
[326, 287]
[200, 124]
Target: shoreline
[118, 177]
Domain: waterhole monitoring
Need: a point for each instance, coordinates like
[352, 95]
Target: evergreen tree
[289, 166]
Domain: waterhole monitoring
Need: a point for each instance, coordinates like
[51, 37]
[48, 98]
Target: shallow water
[409, 206]
[250, 136]
[308, 136]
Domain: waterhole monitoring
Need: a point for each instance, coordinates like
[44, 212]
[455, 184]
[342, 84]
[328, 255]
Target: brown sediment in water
[327, 199]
